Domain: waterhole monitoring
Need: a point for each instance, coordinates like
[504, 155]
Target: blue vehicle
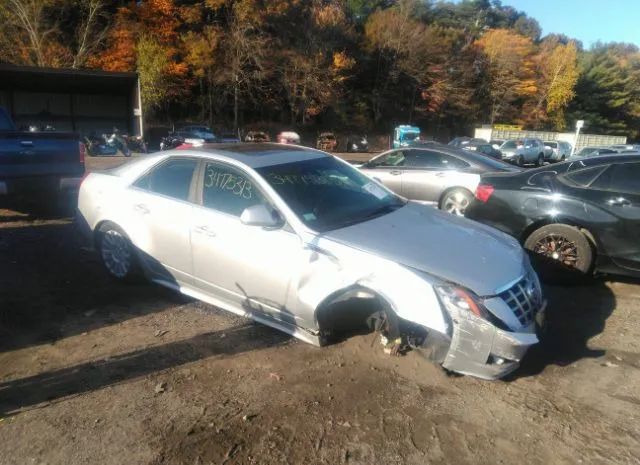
[404, 135]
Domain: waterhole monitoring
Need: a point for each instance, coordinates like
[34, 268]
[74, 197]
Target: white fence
[584, 140]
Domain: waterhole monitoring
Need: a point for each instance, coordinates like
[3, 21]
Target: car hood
[454, 249]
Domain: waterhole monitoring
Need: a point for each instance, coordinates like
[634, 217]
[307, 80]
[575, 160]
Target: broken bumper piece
[480, 349]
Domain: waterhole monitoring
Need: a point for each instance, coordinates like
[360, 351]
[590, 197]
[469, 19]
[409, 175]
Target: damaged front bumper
[480, 349]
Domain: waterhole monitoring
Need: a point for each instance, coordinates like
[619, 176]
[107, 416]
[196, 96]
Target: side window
[228, 190]
[394, 158]
[435, 160]
[620, 178]
[585, 176]
[423, 159]
[172, 178]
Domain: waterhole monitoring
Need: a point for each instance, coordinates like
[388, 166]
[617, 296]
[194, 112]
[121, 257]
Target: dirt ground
[97, 372]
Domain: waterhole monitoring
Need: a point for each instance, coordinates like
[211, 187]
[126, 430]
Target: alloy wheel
[456, 203]
[116, 253]
[558, 247]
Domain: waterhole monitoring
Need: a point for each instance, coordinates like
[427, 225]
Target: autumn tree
[119, 54]
[311, 65]
[28, 33]
[90, 33]
[557, 74]
[508, 60]
[429, 64]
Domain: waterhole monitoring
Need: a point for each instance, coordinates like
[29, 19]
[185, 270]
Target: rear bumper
[39, 185]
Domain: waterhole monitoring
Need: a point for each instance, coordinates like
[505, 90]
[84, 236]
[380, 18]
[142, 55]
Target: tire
[564, 245]
[520, 160]
[540, 160]
[456, 201]
[117, 253]
[563, 158]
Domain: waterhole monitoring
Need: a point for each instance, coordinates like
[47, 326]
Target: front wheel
[117, 253]
[520, 160]
[563, 245]
[456, 201]
[540, 160]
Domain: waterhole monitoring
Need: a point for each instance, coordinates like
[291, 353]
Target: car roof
[605, 159]
[480, 161]
[253, 155]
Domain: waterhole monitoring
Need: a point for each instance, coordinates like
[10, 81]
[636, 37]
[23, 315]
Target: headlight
[458, 299]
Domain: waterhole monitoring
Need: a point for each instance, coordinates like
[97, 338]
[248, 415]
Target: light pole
[579, 125]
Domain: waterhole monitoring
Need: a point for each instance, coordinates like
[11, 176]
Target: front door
[617, 191]
[247, 266]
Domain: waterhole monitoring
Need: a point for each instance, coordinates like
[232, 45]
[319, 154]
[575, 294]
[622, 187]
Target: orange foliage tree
[508, 58]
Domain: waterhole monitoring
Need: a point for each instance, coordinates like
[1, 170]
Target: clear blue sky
[586, 20]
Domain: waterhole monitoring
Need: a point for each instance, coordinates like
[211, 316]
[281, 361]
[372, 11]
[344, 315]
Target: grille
[523, 298]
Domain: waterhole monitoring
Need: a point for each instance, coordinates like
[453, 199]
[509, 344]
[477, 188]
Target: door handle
[395, 172]
[26, 143]
[618, 202]
[204, 230]
[440, 174]
[141, 208]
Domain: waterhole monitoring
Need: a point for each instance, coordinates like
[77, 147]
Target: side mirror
[261, 215]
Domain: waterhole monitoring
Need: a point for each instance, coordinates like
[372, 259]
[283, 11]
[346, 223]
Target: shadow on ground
[575, 313]
[46, 387]
[52, 287]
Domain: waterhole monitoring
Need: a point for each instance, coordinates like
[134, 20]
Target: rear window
[551, 144]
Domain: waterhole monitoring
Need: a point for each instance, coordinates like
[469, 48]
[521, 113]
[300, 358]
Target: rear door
[617, 191]
[161, 208]
[429, 173]
[388, 168]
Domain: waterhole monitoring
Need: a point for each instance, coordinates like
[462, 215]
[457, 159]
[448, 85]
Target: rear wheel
[563, 245]
[117, 253]
[456, 201]
[520, 160]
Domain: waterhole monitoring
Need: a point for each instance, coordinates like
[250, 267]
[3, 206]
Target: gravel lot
[97, 372]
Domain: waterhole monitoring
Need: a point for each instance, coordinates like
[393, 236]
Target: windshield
[510, 144]
[551, 144]
[586, 151]
[326, 194]
[410, 136]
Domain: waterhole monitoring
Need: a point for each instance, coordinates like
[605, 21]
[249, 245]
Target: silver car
[556, 150]
[523, 152]
[303, 242]
[442, 176]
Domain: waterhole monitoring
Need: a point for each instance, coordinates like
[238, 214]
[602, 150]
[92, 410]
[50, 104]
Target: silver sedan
[303, 242]
[438, 175]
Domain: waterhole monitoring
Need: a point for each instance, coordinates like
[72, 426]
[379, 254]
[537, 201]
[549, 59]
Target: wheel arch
[365, 303]
[530, 229]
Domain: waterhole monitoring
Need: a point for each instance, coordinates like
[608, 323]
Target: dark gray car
[437, 175]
